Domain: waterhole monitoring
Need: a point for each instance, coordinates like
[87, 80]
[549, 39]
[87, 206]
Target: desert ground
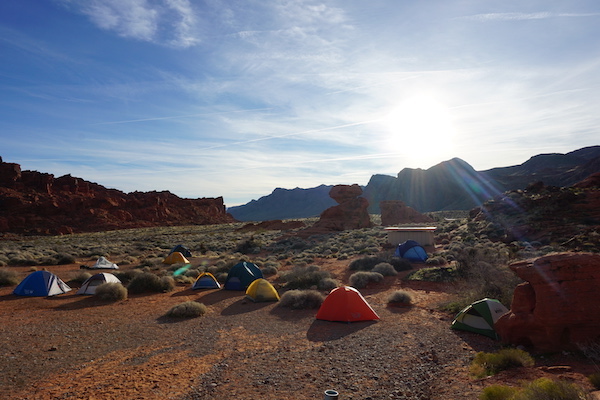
[77, 347]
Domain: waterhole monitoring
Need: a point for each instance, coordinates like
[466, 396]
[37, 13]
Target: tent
[346, 304]
[41, 284]
[480, 317]
[241, 275]
[103, 263]
[91, 283]
[412, 251]
[175, 258]
[206, 280]
[181, 249]
[262, 290]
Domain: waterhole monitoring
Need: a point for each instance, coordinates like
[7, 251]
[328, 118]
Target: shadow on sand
[325, 331]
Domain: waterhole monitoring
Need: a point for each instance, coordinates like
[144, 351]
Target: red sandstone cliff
[35, 203]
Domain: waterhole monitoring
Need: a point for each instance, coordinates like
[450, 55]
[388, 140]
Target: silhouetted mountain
[285, 204]
[450, 185]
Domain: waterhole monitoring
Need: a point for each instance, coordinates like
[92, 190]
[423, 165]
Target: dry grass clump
[81, 277]
[361, 279]
[126, 276]
[400, 297]
[111, 291]
[487, 364]
[188, 309]
[308, 277]
[8, 277]
[540, 389]
[301, 299]
[365, 263]
[146, 282]
[385, 269]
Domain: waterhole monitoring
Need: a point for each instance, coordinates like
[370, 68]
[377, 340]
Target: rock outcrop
[557, 307]
[34, 203]
[394, 212]
[350, 213]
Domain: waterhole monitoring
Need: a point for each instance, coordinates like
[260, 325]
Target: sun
[420, 123]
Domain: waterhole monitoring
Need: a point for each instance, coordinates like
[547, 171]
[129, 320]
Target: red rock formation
[272, 225]
[39, 204]
[557, 307]
[394, 212]
[350, 213]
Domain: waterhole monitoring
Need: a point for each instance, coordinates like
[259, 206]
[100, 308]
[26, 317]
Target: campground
[77, 347]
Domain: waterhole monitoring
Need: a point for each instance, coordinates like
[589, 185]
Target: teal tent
[241, 275]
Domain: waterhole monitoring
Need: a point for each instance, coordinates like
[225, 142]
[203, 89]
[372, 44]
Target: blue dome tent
[412, 251]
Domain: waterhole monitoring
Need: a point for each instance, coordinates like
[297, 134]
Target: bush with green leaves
[539, 389]
[8, 277]
[111, 291]
[487, 364]
[301, 299]
[361, 279]
[400, 297]
[595, 380]
[498, 392]
[188, 309]
[148, 282]
[304, 277]
[385, 269]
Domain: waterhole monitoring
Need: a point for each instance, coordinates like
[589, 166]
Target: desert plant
[127, 276]
[304, 277]
[8, 277]
[486, 364]
[301, 299]
[400, 297]
[400, 264]
[149, 282]
[361, 279]
[385, 269]
[498, 392]
[188, 309]
[365, 263]
[548, 389]
[111, 291]
[327, 284]
[595, 379]
[81, 277]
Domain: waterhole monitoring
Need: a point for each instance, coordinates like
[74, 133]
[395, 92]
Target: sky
[209, 98]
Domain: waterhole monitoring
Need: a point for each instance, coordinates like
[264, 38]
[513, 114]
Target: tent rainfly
[206, 280]
[480, 317]
[175, 258]
[103, 263]
[412, 251]
[346, 304]
[241, 275]
[91, 283]
[41, 284]
[181, 249]
[262, 290]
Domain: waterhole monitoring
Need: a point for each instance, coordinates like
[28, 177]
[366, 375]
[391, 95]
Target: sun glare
[422, 123]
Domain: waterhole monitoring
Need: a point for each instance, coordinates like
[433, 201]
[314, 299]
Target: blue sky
[209, 98]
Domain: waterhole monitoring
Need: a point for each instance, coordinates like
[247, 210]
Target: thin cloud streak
[514, 16]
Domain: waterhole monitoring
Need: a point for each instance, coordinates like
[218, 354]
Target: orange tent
[346, 304]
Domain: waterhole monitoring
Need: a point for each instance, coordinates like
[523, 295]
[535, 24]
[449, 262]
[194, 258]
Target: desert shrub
[304, 277]
[400, 264]
[62, 259]
[301, 299]
[498, 392]
[127, 276]
[269, 269]
[149, 282]
[81, 277]
[548, 389]
[111, 291]
[365, 263]
[433, 274]
[361, 279]
[8, 277]
[327, 284]
[400, 297]
[435, 261]
[385, 269]
[183, 279]
[486, 364]
[188, 309]
[249, 246]
[595, 380]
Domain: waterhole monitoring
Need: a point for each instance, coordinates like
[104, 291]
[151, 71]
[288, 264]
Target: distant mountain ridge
[450, 185]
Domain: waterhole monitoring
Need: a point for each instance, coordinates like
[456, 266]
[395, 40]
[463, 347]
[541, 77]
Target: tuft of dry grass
[188, 309]
[111, 291]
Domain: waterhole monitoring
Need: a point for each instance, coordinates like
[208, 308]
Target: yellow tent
[262, 290]
[175, 258]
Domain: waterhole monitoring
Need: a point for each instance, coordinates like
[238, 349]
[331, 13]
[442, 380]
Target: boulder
[343, 193]
[394, 212]
[557, 307]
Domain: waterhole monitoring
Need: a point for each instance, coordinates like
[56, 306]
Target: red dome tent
[346, 304]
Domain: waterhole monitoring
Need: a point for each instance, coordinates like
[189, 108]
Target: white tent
[90, 284]
[103, 263]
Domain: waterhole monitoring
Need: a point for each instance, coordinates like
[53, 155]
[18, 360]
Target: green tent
[480, 317]
[241, 275]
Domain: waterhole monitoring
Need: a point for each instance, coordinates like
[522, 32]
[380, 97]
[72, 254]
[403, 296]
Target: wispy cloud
[165, 22]
[517, 16]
